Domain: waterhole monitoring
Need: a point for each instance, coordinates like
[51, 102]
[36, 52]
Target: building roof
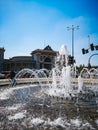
[47, 49]
[2, 49]
[21, 58]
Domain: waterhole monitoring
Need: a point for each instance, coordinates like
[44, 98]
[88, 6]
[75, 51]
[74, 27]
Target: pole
[88, 40]
[72, 41]
[73, 28]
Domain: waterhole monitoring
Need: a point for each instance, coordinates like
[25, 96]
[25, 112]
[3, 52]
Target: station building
[40, 58]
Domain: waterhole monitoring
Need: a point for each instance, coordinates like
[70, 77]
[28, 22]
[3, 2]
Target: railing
[4, 82]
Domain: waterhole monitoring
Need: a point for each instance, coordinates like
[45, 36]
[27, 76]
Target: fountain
[55, 100]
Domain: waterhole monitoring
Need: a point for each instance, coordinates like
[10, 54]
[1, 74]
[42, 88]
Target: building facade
[2, 50]
[18, 62]
[40, 58]
[44, 57]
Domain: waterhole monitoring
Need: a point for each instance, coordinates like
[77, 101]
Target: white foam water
[96, 122]
[5, 94]
[18, 115]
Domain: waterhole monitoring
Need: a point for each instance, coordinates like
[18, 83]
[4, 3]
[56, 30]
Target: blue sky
[26, 25]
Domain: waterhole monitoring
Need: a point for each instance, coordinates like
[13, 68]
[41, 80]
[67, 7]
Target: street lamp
[73, 28]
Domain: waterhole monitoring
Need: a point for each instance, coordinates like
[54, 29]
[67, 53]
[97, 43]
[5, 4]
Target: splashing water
[40, 99]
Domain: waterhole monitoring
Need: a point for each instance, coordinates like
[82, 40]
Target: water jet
[39, 99]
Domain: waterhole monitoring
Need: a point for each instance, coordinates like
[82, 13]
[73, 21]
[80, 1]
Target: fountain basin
[28, 107]
[4, 82]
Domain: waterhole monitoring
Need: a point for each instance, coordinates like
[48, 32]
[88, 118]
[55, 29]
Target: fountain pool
[56, 100]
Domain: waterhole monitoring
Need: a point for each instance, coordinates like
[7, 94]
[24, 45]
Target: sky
[26, 25]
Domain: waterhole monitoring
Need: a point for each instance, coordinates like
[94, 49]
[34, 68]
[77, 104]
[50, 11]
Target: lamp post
[73, 28]
[88, 40]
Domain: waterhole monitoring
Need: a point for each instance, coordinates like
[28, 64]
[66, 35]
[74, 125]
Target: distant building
[44, 57]
[18, 62]
[2, 50]
[40, 58]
